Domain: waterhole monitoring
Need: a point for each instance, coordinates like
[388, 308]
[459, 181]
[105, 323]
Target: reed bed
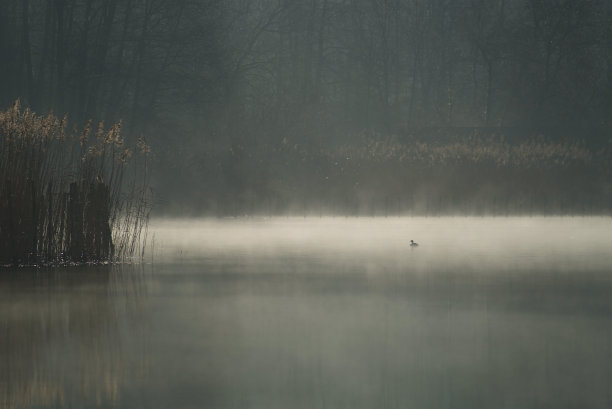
[471, 175]
[69, 197]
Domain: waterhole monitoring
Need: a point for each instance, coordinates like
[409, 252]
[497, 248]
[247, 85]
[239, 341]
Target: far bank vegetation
[379, 175]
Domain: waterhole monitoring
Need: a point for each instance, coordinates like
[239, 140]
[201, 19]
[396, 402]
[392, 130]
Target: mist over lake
[322, 312]
[314, 204]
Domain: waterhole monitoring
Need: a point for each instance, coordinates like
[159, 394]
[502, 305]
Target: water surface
[322, 313]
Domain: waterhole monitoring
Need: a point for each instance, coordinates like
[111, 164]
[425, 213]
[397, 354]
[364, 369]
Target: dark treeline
[223, 88]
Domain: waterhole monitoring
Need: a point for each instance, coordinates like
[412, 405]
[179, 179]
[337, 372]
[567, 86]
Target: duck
[413, 243]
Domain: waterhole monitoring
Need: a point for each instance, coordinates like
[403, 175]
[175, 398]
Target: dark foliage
[218, 85]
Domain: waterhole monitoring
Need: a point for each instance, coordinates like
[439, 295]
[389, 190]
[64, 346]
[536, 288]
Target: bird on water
[413, 243]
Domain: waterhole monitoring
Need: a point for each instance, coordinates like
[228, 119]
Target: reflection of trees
[64, 334]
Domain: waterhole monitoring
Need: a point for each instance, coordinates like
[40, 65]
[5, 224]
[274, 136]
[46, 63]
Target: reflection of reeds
[65, 342]
[63, 197]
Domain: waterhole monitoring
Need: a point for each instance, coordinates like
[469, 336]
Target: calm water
[322, 313]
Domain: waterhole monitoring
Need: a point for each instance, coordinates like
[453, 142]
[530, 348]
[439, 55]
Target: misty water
[322, 313]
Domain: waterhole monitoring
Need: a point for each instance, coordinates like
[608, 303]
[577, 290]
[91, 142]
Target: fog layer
[318, 313]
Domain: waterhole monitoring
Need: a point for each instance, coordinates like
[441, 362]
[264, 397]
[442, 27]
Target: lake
[321, 313]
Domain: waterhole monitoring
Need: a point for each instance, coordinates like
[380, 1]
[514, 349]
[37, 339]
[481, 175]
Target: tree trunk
[101, 53]
[60, 56]
[25, 49]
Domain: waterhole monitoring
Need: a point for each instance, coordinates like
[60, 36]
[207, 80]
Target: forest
[357, 107]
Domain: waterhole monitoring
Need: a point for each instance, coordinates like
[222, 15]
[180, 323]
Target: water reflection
[362, 340]
[486, 313]
[64, 335]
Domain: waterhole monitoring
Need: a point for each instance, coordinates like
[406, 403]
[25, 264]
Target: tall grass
[68, 196]
[472, 175]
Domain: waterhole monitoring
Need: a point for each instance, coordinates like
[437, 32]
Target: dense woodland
[344, 106]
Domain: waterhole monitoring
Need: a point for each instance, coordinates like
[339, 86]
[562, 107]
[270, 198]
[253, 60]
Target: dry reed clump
[67, 197]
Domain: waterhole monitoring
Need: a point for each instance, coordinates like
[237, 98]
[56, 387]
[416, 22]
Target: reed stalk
[68, 197]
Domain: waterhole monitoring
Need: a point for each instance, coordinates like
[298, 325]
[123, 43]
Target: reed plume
[68, 197]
